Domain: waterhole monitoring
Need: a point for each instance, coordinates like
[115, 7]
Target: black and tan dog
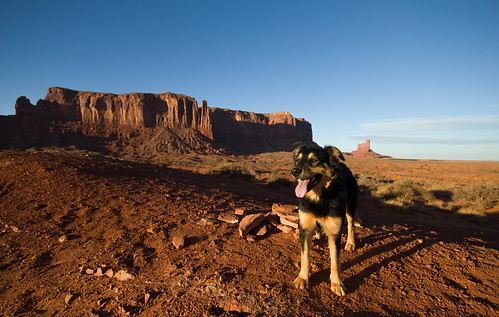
[327, 193]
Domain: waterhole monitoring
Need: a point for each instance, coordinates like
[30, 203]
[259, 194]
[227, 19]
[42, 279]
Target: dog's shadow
[353, 282]
[393, 241]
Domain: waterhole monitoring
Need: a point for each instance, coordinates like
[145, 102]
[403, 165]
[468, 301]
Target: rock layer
[168, 114]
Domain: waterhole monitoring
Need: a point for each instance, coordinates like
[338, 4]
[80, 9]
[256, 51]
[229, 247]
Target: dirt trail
[67, 220]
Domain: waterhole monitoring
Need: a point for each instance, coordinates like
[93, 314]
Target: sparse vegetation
[478, 198]
[467, 200]
[234, 170]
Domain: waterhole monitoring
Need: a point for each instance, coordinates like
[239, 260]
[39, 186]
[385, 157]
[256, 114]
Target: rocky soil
[89, 235]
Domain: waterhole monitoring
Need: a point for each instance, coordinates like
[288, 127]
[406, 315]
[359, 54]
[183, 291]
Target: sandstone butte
[154, 115]
[364, 150]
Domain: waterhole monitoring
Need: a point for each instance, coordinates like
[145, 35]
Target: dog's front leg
[334, 248]
[332, 228]
[301, 282]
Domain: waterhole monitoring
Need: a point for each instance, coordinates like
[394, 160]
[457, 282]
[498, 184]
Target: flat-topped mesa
[244, 131]
[174, 111]
[241, 131]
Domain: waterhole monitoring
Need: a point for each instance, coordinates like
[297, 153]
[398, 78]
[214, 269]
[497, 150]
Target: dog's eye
[313, 160]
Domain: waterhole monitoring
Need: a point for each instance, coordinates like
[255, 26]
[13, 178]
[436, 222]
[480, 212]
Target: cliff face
[240, 131]
[244, 131]
[173, 111]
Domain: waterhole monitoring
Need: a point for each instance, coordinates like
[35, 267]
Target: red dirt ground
[64, 214]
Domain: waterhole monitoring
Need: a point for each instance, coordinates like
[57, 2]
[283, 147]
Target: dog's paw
[350, 246]
[301, 283]
[339, 289]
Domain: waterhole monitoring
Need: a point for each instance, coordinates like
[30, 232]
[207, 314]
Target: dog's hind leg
[350, 245]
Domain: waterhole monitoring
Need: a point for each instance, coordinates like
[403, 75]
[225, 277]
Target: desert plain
[88, 234]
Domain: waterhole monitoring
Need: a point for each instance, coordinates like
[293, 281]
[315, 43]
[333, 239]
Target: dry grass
[234, 171]
[466, 200]
[476, 199]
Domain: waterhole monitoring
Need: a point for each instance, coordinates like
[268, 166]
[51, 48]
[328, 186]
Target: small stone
[296, 235]
[284, 208]
[249, 223]
[109, 273]
[123, 276]
[63, 238]
[420, 241]
[98, 272]
[207, 221]
[228, 218]
[89, 271]
[15, 229]
[178, 241]
[290, 223]
[69, 298]
[285, 229]
[240, 211]
[262, 231]
[147, 296]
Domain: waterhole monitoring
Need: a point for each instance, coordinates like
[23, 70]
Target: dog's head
[314, 167]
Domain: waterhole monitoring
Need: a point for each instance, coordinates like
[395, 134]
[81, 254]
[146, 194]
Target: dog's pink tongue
[301, 188]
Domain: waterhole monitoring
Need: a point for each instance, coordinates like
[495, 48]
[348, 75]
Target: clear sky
[419, 78]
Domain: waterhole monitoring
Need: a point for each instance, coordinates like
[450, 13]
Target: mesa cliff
[152, 122]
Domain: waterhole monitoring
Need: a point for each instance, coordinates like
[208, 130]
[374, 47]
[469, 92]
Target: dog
[327, 193]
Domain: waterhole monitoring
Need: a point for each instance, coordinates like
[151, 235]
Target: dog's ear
[334, 153]
[298, 150]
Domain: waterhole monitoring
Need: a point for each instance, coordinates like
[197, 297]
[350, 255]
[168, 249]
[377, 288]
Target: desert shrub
[234, 171]
[470, 211]
[366, 183]
[480, 197]
[406, 191]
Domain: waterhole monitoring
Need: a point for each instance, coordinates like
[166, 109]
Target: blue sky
[419, 78]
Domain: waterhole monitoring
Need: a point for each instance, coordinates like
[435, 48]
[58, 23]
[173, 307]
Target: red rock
[287, 212]
[249, 223]
[123, 276]
[69, 298]
[163, 119]
[286, 222]
[285, 229]
[283, 208]
[178, 241]
[364, 150]
[240, 211]
[228, 218]
[263, 230]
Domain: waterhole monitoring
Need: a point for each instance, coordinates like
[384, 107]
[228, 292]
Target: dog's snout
[296, 171]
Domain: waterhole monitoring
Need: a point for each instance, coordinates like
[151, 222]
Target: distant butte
[146, 124]
[364, 150]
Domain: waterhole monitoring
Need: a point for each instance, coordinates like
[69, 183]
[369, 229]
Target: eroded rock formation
[364, 150]
[170, 116]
